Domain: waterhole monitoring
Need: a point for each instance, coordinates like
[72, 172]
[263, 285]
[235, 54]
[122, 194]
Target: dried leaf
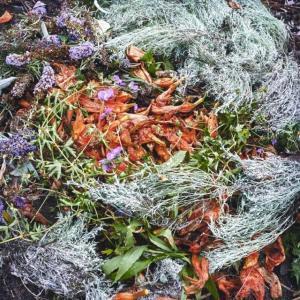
[78, 125]
[6, 17]
[229, 286]
[164, 82]
[233, 4]
[252, 284]
[273, 281]
[134, 54]
[143, 74]
[30, 212]
[212, 125]
[66, 76]
[200, 266]
[251, 260]
[275, 255]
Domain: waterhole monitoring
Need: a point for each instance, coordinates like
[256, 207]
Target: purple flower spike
[81, 51]
[16, 146]
[19, 202]
[106, 112]
[46, 81]
[133, 87]
[39, 9]
[52, 39]
[106, 94]
[113, 154]
[17, 60]
[118, 81]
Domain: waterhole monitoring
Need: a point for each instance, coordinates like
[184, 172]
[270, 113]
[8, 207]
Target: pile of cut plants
[149, 150]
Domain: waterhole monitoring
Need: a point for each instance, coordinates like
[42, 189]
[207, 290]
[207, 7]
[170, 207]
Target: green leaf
[128, 259]
[159, 243]
[111, 265]
[137, 268]
[212, 288]
[168, 235]
[174, 161]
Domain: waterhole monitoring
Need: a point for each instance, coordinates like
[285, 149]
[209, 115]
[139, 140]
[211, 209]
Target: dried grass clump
[268, 191]
[157, 195]
[65, 262]
[233, 51]
[164, 279]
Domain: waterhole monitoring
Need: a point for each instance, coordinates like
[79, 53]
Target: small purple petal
[260, 150]
[113, 154]
[39, 9]
[107, 166]
[106, 112]
[274, 142]
[135, 107]
[118, 80]
[19, 202]
[133, 87]
[106, 94]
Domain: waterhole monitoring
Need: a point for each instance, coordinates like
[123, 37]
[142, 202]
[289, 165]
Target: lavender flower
[46, 81]
[17, 60]
[19, 202]
[106, 94]
[39, 9]
[1, 212]
[51, 40]
[106, 112]
[114, 153]
[133, 87]
[135, 107]
[16, 146]
[118, 81]
[81, 51]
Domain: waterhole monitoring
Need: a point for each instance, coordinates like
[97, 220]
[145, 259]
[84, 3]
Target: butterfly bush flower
[106, 94]
[46, 81]
[133, 87]
[50, 40]
[118, 81]
[73, 25]
[16, 146]
[17, 60]
[106, 112]
[135, 108]
[81, 51]
[39, 9]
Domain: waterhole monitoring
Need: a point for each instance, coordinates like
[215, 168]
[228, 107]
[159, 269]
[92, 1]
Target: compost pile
[149, 151]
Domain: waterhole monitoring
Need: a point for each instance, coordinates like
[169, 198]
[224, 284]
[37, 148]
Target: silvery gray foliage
[233, 51]
[65, 262]
[164, 279]
[268, 189]
[158, 195]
